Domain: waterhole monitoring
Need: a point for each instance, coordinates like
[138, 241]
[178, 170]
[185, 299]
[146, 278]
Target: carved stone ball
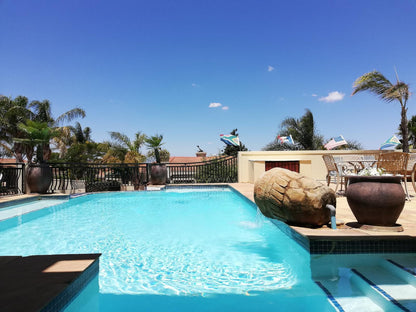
[293, 198]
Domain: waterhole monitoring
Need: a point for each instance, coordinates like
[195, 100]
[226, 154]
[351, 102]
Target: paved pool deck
[347, 226]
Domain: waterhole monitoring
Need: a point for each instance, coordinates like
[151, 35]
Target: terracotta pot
[39, 178]
[376, 200]
[158, 174]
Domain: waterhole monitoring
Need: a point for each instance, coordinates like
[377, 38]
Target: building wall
[251, 165]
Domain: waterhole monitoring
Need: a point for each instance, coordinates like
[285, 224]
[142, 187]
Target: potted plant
[158, 171]
[38, 135]
[375, 198]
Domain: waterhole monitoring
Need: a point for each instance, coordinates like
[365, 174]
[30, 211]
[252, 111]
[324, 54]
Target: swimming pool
[180, 250]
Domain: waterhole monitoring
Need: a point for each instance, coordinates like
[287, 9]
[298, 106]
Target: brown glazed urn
[158, 174]
[376, 200]
[39, 178]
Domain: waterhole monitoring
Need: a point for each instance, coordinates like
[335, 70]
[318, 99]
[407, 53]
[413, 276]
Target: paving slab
[32, 283]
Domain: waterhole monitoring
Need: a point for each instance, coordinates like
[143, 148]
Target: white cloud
[211, 105]
[313, 94]
[225, 107]
[332, 97]
[270, 68]
[194, 85]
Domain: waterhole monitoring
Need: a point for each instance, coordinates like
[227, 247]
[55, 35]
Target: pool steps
[388, 286]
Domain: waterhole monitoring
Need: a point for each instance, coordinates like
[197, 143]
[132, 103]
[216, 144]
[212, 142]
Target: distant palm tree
[129, 148]
[376, 83]
[12, 113]
[68, 135]
[303, 131]
[41, 112]
[154, 142]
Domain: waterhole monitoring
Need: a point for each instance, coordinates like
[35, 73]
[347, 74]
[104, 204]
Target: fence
[113, 177]
[12, 178]
[97, 177]
[219, 170]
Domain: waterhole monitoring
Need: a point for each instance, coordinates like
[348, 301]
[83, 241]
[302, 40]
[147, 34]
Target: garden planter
[376, 200]
[39, 178]
[158, 174]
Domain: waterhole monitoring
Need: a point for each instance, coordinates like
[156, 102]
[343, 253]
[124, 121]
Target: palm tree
[68, 136]
[41, 112]
[303, 131]
[129, 148]
[376, 83]
[38, 134]
[155, 143]
[12, 113]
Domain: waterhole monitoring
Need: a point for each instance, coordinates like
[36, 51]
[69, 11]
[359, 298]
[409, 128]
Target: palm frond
[120, 138]
[399, 91]
[374, 82]
[71, 115]
[155, 141]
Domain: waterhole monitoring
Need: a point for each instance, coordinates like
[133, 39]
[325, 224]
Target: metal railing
[97, 177]
[12, 178]
[219, 170]
[100, 177]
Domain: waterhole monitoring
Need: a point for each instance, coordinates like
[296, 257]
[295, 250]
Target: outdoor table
[362, 164]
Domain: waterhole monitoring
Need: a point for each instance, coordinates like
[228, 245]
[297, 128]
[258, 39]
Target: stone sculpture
[293, 198]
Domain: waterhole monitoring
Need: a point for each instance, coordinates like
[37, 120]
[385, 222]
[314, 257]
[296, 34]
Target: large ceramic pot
[376, 200]
[39, 178]
[158, 174]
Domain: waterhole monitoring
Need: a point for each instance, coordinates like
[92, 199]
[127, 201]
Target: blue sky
[157, 66]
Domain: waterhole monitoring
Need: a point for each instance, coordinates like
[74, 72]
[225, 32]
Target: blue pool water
[172, 251]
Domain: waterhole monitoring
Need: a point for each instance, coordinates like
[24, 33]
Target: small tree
[155, 144]
[231, 150]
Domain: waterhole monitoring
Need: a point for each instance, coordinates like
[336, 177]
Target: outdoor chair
[395, 163]
[334, 172]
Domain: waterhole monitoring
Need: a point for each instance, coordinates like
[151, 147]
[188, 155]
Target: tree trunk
[405, 130]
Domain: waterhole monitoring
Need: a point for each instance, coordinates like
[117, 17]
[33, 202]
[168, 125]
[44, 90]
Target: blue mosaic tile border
[381, 291]
[65, 297]
[372, 246]
[413, 272]
[197, 186]
[331, 298]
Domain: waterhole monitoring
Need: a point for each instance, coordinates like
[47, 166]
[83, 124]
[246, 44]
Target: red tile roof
[183, 160]
[7, 160]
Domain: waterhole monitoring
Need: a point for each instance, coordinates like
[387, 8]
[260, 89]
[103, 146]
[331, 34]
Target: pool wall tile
[380, 245]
